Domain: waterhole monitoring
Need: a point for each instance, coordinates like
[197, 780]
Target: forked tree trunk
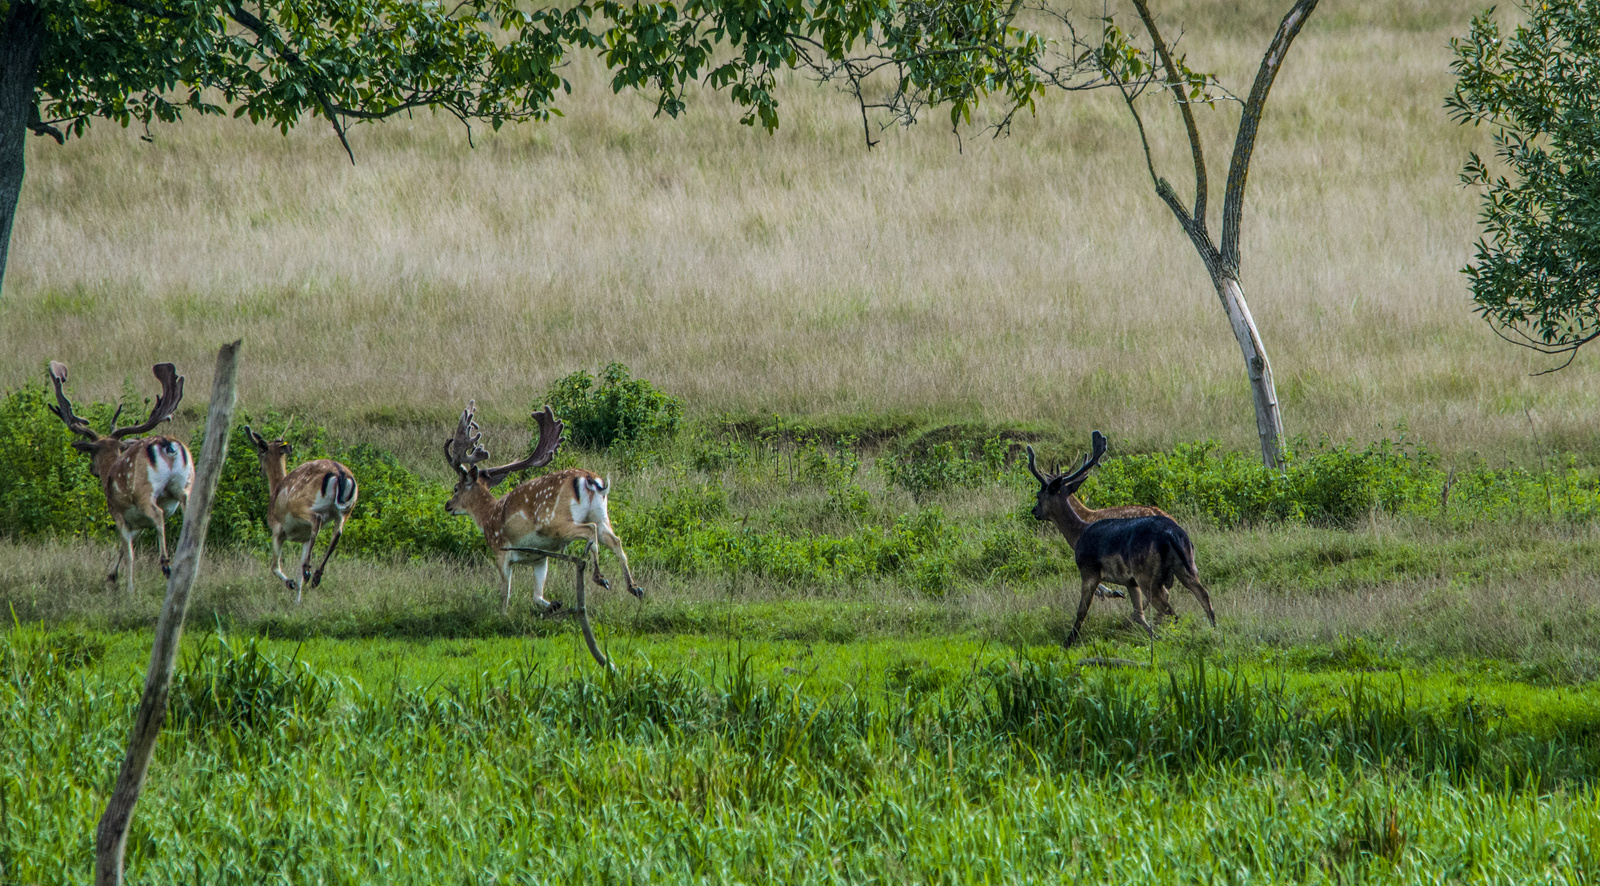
[112, 835]
[21, 38]
[1269, 421]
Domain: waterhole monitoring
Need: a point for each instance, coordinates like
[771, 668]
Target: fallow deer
[145, 479]
[542, 514]
[300, 502]
[1116, 512]
[1144, 554]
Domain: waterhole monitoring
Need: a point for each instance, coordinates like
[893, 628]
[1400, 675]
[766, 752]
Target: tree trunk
[112, 835]
[21, 37]
[1269, 422]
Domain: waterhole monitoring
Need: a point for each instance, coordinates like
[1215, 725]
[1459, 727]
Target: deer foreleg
[277, 559]
[338, 533]
[594, 551]
[1091, 582]
[541, 569]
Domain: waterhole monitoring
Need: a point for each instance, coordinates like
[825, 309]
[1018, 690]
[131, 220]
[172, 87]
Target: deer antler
[549, 441]
[1034, 469]
[463, 451]
[1091, 460]
[63, 407]
[166, 404]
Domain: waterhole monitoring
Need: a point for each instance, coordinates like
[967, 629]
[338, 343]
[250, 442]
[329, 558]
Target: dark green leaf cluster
[619, 409]
[947, 465]
[1536, 273]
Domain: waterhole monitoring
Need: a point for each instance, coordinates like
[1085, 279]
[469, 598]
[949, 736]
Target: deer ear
[83, 446]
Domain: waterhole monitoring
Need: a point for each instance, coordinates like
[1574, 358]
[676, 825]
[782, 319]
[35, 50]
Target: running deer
[1144, 554]
[540, 515]
[145, 479]
[300, 502]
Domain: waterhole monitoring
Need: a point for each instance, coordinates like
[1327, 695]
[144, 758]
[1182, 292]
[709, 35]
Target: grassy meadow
[848, 666]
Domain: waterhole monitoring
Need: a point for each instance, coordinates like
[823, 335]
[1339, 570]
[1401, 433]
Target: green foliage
[619, 409]
[45, 483]
[947, 465]
[1534, 277]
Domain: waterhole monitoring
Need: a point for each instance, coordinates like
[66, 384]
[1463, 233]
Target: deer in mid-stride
[145, 479]
[300, 502]
[540, 515]
[1115, 512]
[1144, 554]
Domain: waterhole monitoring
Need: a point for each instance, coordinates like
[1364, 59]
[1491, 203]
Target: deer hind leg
[1091, 583]
[124, 552]
[159, 517]
[1136, 597]
[338, 533]
[1192, 582]
[305, 561]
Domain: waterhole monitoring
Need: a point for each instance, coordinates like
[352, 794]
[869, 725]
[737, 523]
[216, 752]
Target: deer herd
[146, 479]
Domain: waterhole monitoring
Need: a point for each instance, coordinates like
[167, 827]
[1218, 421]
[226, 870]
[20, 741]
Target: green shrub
[947, 465]
[620, 409]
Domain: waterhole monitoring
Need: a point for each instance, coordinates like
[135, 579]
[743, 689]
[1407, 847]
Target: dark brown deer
[145, 479]
[1144, 554]
[542, 514]
[300, 502]
[1116, 512]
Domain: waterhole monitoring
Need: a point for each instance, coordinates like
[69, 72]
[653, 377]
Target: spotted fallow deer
[1144, 554]
[300, 502]
[542, 514]
[145, 479]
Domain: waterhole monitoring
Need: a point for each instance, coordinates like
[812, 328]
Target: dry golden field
[1031, 279]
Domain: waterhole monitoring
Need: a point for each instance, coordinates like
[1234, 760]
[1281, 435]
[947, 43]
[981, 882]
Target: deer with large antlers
[1144, 554]
[300, 502]
[145, 479]
[540, 515]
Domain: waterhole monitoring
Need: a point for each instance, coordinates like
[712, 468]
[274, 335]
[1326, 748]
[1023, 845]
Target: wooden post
[112, 835]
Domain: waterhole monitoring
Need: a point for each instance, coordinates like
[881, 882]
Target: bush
[620, 409]
[947, 465]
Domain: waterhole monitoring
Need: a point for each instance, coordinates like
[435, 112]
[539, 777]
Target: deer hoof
[602, 582]
[552, 607]
[637, 591]
[289, 583]
[166, 570]
[316, 578]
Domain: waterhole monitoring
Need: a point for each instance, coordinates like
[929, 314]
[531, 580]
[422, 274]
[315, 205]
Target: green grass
[497, 761]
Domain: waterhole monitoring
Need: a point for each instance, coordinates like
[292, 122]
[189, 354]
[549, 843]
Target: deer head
[94, 443]
[273, 453]
[465, 450]
[1051, 500]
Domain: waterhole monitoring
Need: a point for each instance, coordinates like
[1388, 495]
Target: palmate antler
[166, 404]
[63, 407]
[463, 451]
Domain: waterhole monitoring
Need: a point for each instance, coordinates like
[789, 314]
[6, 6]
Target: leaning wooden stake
[112, 836]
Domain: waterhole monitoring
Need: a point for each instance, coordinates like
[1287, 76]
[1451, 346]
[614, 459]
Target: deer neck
[1067, 520]
[275, 469]
[1081, 510]
[487, 511]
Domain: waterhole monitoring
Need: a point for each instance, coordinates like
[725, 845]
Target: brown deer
[1116, 512]
[542, 514]
[300, 502]
[1144, 554]
[145, 479]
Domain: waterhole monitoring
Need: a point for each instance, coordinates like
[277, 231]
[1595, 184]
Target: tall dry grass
[1034, 278]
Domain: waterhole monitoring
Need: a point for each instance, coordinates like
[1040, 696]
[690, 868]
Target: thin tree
[1221, 259]
[111, 836]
